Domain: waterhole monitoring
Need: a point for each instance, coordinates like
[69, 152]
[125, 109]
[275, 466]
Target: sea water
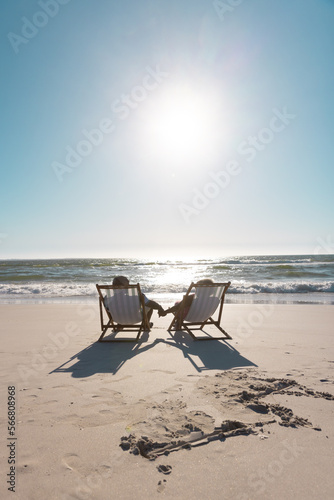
[278, 279]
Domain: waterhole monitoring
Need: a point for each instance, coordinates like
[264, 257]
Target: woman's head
[206, 281]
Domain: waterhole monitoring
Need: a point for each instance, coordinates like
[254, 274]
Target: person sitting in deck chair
[150, 304]
[185, 302]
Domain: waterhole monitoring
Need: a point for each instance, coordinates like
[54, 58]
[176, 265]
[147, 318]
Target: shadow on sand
[111, 357]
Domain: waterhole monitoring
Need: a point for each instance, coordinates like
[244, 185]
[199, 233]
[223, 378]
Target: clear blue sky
[216, 127]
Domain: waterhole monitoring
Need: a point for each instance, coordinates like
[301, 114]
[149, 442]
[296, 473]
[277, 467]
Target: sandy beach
[183, 150]
[168, 417]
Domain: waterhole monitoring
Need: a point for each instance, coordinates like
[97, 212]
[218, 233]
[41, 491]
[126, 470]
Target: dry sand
[169, 417]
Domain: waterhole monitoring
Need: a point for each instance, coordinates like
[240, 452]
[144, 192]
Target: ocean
[254, 279]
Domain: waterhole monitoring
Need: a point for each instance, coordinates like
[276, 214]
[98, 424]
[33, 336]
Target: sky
[166, 128]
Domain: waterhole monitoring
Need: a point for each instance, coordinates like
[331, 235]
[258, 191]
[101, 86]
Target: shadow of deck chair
[197, 308]
[125, 310]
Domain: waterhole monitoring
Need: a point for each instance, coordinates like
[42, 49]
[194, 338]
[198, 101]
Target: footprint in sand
[92, 475]
[172, 389]
[107, 396]
[161, 486]
[71, 461]
[110, 391]
[165, 469]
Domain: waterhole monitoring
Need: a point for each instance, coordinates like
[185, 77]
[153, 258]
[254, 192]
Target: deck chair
[125, 310]
[197, 308]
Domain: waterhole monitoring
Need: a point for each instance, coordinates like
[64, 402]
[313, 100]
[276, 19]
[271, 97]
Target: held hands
[161, 312]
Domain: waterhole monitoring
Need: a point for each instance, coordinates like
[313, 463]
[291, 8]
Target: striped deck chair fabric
[205, 303]
[124, 306]
[207, 300]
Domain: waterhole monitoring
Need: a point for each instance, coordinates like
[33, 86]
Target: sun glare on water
[181, 125]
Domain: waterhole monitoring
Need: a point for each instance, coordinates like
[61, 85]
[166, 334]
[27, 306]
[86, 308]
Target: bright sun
[181, 125]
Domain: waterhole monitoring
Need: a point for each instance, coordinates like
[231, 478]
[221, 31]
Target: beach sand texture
[169, 417]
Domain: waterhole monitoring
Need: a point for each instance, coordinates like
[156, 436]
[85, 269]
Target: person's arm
[153, 305]
[186, 302]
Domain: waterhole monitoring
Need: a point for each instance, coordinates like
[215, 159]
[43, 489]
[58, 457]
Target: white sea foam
[166, 291]
[167, 280]
[48, 290]
[282, 287]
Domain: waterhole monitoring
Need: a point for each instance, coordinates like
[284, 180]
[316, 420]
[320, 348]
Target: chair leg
[224, 332]
[104, 331]
[172, 323]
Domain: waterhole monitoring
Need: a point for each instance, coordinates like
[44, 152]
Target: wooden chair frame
[138, 327]
[179, 323]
